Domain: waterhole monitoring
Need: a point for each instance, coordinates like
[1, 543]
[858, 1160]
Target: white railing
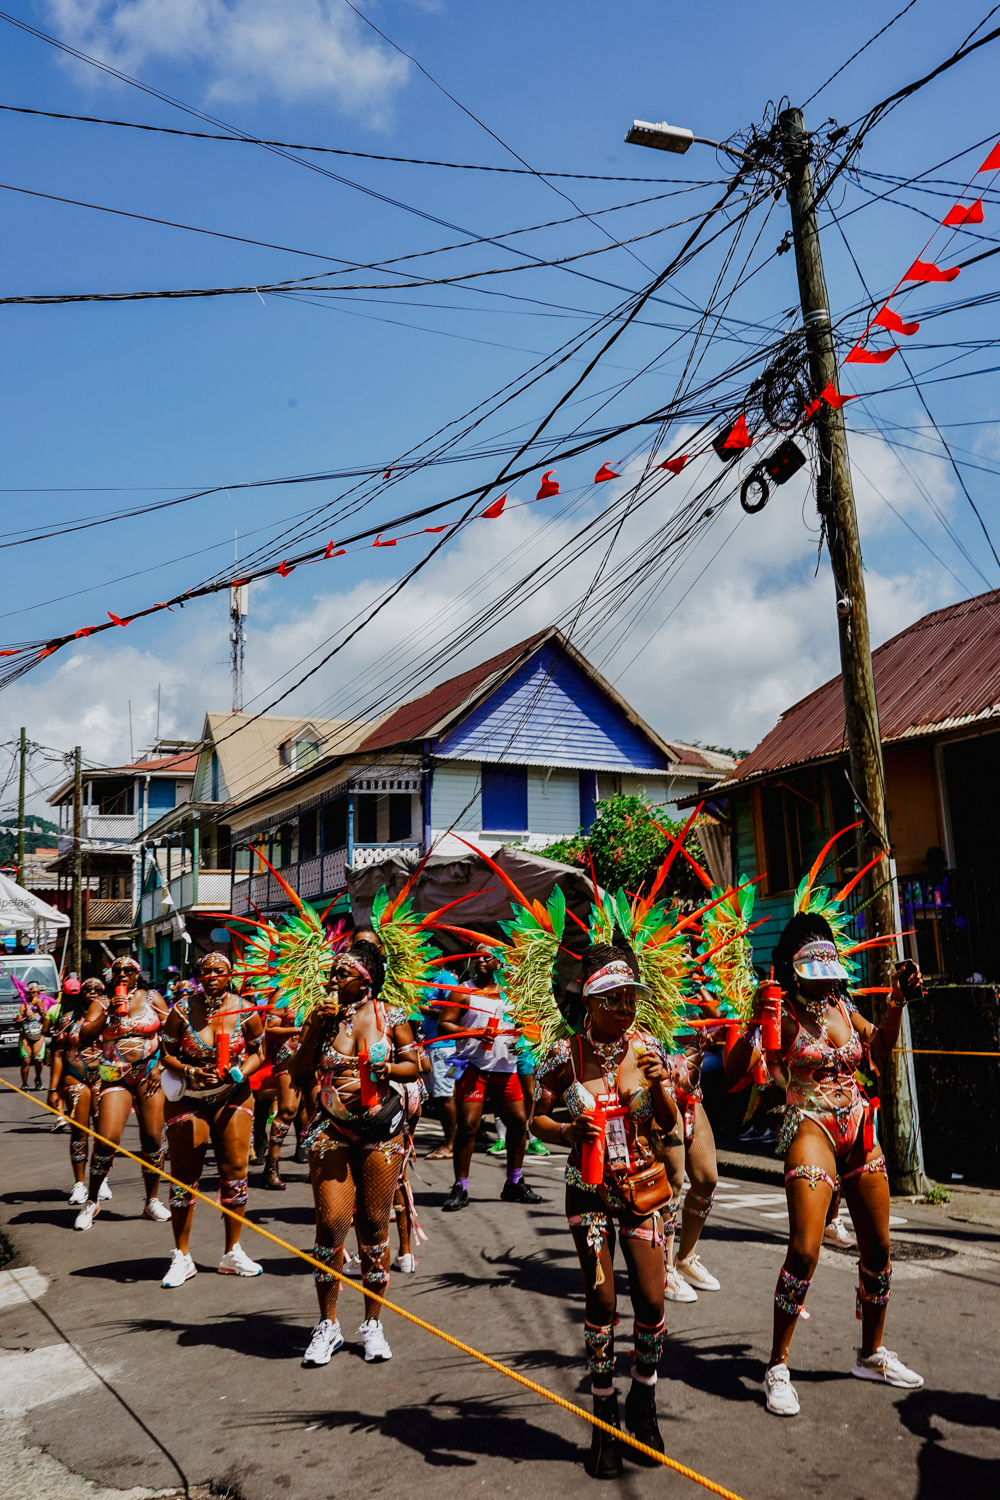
[313, 878]
[335, 870]
[213, 890]
[117, 826]
[366, 855]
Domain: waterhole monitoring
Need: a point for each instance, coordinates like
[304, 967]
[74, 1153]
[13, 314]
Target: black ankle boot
[640, 1419]
[604, 1461]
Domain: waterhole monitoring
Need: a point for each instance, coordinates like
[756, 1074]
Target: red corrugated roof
[940, 673]
[416, 719]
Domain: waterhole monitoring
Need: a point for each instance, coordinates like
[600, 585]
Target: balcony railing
[108, 914]
[213, 890]
[312, 879]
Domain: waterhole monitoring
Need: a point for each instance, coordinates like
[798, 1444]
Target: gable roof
[940, 673]
[248, 749]
[179, 766]
[453, 712]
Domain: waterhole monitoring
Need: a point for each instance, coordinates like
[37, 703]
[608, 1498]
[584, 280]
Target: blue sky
[113, 406]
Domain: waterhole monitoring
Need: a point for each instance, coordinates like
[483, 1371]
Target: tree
[627, 843]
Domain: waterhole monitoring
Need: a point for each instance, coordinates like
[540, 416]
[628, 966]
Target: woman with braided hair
[127, 1029]
[212, 1044]
[828, 1140]
[618, 1069]
[354, 1140]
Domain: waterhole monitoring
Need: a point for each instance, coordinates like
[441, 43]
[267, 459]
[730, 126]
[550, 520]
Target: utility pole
[239, 605]
[76, 960]
[20, 812]
[899, 1129]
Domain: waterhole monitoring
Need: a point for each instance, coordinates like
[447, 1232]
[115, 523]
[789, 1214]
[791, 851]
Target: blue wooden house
[520, 747]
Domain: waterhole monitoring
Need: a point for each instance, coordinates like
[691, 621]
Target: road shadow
[36, 1195]
[539, 1273]
[260, 1335]
[444, 1433]
[132, 1270]
[942, 1468]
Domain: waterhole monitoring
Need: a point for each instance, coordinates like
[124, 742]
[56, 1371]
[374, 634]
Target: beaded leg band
[878, 1165]
[101, 1163]
[600, 1345]
[233, 1193]
[153, 1158]
[692, 1200]
[78, 1149]
[596, 1225]
[670, 1215]
[812, 1175]
[374, 1273]
[790, 1292]
[647, 1341]
[279, 1129]
[873, 1288]
[182, 1197]
[332, 1256]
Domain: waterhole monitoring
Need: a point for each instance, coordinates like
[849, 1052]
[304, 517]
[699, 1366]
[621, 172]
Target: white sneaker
[104, 1192]
[374, 1340]
[88, 1213]
[781, 1396]
[326, 1340]
[352, 1264]
[694, 1272]
[60, 1124]
[157, 1211]
[79, 1195]
[836, 1234]
[676, 1289]
[405, 1264]
[181, 1269]
[236, 1262]
[886, 1366]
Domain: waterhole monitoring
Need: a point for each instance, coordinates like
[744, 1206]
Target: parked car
[26, 967]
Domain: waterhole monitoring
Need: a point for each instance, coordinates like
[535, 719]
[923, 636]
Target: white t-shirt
[499, 1056]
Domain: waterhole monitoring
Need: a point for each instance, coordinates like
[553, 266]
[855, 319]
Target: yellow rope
[577, 1411]
[937, 1052]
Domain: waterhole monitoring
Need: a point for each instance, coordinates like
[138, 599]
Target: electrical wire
[898, 17]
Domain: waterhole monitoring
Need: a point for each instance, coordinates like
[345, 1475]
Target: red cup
[222, 1052]
[771, 1016]
[369, 1093]
[592, 1152]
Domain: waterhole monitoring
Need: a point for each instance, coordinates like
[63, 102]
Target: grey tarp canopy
[445, 877]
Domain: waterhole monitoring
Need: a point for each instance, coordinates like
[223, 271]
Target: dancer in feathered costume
[828, 1138]
[360, 1060]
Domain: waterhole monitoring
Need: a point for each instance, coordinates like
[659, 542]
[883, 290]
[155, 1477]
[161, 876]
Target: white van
[26, 967]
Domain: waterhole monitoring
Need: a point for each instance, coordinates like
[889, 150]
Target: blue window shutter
[162, 796]
[588, 799]
[505, 798]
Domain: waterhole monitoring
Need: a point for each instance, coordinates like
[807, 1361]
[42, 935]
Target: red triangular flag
[116, 621]
[962, 213]
[388, 472]
[496, 509]
[859, 356]
[812, 409]
[339, 552]
[284, 569]
[548, 486]
[992, 162]
[435, 529]
[604, 473]
[379, 543]
[675, 465]
[834, 398]
[84, 632]
[738, 436]
[891, 320]
[924, 270]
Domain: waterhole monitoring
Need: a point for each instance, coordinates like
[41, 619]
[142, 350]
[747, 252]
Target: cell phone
[908, 977]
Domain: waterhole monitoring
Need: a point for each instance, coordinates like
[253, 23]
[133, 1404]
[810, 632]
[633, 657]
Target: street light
[675, 138]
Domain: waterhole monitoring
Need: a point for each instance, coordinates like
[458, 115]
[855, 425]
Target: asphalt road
[105, 1375]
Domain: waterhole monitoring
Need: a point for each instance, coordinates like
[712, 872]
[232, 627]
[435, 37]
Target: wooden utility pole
[20, 812]
[76, 958]
[899, 1130]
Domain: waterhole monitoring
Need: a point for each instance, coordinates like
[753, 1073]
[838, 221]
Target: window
[789, 821]
[283, 846]
[306, 754]
[334, 824]
[215, 776]
[365, 819]
[505, 799]
[400, 816]
[307, 835]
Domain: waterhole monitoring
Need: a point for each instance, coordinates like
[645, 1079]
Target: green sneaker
[537, 1148]
[498, 1148]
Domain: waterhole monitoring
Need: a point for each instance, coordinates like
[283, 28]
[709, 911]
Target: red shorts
[474, 1087]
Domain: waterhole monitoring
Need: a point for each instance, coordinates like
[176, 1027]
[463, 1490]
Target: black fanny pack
[386, 1122]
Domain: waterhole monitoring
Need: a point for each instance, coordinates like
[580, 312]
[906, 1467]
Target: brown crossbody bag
[646, 1190]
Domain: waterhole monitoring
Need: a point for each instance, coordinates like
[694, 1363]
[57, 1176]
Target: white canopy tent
[20, 909]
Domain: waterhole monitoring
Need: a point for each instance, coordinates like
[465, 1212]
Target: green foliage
[937, 1194]
[627, 848]
[45, 837]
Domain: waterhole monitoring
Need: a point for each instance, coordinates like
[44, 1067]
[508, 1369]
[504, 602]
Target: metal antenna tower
[239, 605]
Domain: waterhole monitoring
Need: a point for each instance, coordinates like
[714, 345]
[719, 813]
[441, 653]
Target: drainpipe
[195, 856]
[350, 827]
[425, 796]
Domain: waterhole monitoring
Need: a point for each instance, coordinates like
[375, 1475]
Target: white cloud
[756, 632]
[291, 50]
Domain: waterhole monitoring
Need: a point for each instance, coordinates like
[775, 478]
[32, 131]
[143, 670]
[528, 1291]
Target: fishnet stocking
[359, 1182]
